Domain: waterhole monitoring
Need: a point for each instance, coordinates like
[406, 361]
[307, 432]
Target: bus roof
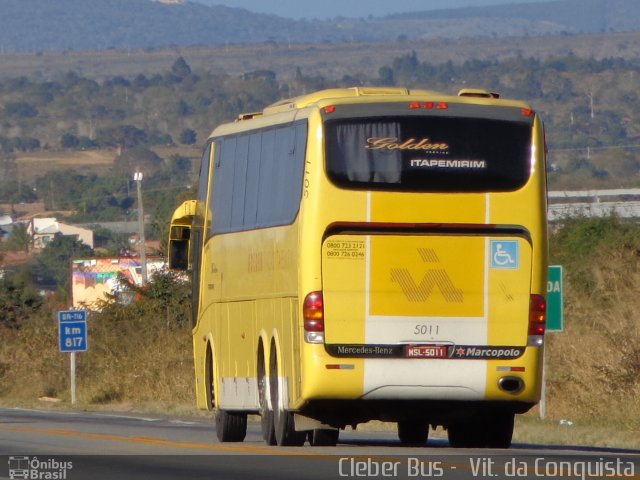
[287, 108]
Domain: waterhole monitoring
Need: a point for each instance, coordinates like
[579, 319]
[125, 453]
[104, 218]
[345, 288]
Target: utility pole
[143, 253]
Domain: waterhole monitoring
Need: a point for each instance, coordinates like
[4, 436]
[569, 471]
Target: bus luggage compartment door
[450, 290]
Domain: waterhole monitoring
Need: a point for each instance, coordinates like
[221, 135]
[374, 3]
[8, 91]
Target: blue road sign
[72, 330]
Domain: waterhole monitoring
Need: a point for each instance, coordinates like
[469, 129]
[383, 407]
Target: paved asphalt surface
[82, 445]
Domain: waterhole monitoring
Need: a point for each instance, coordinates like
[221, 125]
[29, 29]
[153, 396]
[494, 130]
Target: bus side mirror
[179, 240]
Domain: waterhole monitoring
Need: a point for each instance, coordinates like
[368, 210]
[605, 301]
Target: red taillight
[330, 109]
[537, 315]
[429, 105]
[313, 312]
[526, 112]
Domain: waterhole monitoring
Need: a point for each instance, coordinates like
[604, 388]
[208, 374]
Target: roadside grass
[553, 432]
[126, 366]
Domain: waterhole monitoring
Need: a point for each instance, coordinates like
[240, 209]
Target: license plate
[426, 351]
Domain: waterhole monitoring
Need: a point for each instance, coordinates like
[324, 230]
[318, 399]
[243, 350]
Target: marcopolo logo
[23, 467]
[496, 353]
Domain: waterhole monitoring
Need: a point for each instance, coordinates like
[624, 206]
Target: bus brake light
[313, 317]
[537, 315]
[313, 312]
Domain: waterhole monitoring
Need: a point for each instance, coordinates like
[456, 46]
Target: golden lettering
[393, 143]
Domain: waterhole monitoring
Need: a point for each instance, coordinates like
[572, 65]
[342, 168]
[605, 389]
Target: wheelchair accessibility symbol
[505, 254]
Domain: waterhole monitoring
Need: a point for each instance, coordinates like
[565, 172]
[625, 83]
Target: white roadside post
[143, 253]
[555, 323]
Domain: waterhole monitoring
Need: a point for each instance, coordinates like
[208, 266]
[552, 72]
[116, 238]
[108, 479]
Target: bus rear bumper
[436, 380]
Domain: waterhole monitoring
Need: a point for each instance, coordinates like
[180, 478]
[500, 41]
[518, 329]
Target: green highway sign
[555, 305]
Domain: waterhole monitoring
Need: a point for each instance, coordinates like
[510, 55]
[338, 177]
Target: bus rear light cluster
[313, 317]
[429, 105]
[537, 320]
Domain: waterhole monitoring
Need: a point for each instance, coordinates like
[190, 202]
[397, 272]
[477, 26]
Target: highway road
[90, 445]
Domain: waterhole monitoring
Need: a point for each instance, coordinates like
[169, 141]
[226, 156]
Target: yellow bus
[369, 254]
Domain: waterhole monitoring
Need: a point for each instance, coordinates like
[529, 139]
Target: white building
[5, 220]
[44, 230]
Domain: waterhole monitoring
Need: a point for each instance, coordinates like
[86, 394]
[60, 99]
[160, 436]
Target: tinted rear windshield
[428, 153]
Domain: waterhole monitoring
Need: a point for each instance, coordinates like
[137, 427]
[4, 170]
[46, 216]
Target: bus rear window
[428, 153]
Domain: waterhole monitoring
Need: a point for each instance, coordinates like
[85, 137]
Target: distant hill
[44, 25]
[570, 16]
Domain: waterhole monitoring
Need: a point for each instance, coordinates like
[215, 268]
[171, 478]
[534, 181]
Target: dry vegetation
[593, 376]
[332, 61]
[594, 366]
[32, 165]
[131, 363]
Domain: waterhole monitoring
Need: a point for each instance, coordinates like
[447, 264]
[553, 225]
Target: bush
[579, 242]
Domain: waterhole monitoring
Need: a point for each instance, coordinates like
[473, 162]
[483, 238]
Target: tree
[184, 109]
[138, 159]
[69, 140]
[18, 301]
[51, 266]
[123, 135]
[386, 76]
[188, 137]
[20, 109]
[8, 169]
[181, 68]
[20, 239]
[175, 171]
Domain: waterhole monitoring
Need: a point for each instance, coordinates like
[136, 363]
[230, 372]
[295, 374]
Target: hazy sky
[351, 8]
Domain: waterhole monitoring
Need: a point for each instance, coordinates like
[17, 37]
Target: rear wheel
[231, 426]
[464, 435]
[266, 413]
[492, 431]
[283, 423]
[413, 433]
[500, 431]
[324, 437]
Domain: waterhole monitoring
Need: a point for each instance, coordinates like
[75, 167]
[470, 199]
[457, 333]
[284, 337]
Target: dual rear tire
[490, 431]
[283, 423]
[413, 433]
[231, 426]
[277, 423]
